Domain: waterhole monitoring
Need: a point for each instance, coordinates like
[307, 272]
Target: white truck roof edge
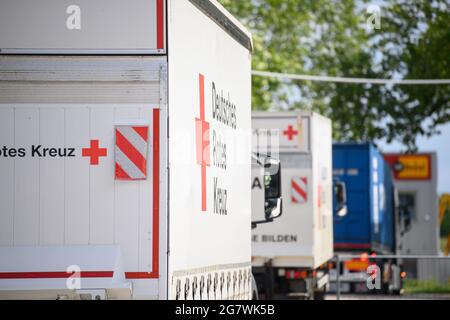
[293, 113]
[226, 21]
[282, 114]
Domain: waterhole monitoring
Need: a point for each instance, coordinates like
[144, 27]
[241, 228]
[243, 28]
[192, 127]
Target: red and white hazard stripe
[299, 189]
[131, 152]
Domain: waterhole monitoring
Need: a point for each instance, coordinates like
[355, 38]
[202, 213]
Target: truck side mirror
[340, 193]
[272, 189]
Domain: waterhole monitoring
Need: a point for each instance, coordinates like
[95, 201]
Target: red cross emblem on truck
[290, 132]
[94, 152]
[202, 139]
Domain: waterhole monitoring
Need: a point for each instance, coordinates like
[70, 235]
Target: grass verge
[417, 286]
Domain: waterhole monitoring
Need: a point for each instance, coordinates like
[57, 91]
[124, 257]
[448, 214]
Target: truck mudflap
[322, 280]
[230, 282]
[63, 272]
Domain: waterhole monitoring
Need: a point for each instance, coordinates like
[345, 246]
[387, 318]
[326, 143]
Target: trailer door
[80, 162]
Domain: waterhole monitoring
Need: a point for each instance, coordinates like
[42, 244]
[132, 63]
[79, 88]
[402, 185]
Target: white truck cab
[289, 253]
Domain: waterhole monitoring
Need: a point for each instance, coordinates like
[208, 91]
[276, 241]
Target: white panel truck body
[415, 178]
[289, 252]
[125, 150]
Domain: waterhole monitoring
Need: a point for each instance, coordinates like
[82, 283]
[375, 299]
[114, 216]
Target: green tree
[325, 37]
[420, 32]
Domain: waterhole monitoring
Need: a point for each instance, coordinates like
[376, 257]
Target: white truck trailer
[125, 153]
[287, 254]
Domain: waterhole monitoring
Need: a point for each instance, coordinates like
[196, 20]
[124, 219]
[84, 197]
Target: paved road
[389, 297]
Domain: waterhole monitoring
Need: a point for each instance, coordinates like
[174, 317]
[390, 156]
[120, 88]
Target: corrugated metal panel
[51, 179]
[43, 68]
[26, 179]
[64, 200]
[351, 161]
[127, 206]
[102, 190]
[7, 178]
[296, 160]
[76, 178]
[30, 79]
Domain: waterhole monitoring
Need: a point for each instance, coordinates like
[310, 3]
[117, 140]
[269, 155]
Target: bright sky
[440, 144]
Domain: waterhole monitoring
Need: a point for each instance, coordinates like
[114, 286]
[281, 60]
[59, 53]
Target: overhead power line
[288, 76]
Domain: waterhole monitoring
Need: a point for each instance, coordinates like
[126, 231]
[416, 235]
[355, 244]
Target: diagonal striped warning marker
[299, 187]
[131, 152]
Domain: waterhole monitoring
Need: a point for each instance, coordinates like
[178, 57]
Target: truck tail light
[295, 274]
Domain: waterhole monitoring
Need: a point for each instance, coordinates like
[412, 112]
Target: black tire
[255, 295]
[319, 295]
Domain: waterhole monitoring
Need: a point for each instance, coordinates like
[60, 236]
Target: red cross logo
[94, 152]
[202, 139]
[290, 132]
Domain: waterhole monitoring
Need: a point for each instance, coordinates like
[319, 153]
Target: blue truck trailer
[369, 222]
[368, 226]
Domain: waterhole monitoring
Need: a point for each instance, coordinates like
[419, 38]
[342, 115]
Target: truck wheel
[397, 292]
[255, 295]
[319, 294]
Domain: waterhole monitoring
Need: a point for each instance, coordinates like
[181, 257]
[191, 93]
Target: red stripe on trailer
[131, 152]
[154, 274]
[83, 274]
[141, 275]
[156, 154]
[160, 24]
[55, 275]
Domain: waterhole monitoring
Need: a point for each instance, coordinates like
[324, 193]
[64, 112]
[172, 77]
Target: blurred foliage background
[330, 37]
